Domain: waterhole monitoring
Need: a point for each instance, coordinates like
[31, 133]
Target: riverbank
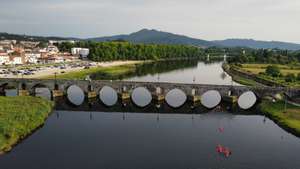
[110, 71]
[253, 75]
[285, 115]
[49, 70]
[19, 117]
[239, 78]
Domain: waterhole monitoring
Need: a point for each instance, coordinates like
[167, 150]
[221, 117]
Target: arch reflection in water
[176, 98]
[108, 96]
[43, 92]
[247, 100]
[75, 95]
[211, 99]
[141, 97]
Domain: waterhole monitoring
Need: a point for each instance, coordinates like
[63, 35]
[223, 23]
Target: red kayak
[223, 150]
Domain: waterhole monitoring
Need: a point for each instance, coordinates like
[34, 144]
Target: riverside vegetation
[19, 117]
[284, 114]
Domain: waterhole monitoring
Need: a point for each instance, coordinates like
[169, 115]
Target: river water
[113, 138]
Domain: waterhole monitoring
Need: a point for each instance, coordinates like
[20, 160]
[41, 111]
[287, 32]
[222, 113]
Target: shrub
[273, 71]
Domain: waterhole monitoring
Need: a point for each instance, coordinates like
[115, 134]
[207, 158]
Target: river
[116, 138]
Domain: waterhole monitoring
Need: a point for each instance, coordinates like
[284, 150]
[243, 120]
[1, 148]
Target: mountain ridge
[152, 36]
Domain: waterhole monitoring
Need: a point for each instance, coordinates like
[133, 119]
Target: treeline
[106, 51]
[120, 50]
[265, 56]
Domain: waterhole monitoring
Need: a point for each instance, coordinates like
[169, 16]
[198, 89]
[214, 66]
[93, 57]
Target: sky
[204, 19]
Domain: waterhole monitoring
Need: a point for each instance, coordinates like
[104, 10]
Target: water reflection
[211, 99]
[75, 95]
[186, 72]
[141, 97]
[247, 100]
[138, 141]
[108, 96]
[176, 98]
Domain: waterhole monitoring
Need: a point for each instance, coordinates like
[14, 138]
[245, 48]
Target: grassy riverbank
[288, 119]
[254, 74]
[239, 79]
[245, 81]
[19, 117]
[107, 73]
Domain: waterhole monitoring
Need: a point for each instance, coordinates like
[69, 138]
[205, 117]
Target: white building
[32, 57]
[75, 51]
[52, 49]
[83, 52]
[4, 59]
[17, 60]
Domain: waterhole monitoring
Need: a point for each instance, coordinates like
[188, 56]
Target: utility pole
[55, 82]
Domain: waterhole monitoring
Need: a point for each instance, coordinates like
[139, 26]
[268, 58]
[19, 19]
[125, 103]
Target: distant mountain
[157, 37]
[257, 44]
[8, 36]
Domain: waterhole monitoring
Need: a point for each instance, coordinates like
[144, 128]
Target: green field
[260, 68]
[289, 118]
[19, 117]
[107, 73]
[259, 71]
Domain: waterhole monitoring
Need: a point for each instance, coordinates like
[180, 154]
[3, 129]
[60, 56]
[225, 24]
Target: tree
[273, 71]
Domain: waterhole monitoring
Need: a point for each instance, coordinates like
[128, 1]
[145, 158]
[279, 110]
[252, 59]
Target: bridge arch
[211, 98]
[176, 98]
[141, 96]
[8, 85]
[75, 94]
[247, 100]
[108, 95]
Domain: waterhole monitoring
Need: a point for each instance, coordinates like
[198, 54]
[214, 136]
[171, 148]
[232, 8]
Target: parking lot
[37, 71]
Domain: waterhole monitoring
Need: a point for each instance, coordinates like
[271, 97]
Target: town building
[51, 49]
[4, 58]
[82, 52]
[32, 58]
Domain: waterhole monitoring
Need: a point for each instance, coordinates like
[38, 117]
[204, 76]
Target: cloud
[207, 19]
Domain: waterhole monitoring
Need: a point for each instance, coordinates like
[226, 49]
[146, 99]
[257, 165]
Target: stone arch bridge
[124, 88]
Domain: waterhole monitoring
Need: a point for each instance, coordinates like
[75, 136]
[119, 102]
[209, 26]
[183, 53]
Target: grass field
[19, 117]
[256, 69]
[106, 73]
[289, 118]
[260, 68]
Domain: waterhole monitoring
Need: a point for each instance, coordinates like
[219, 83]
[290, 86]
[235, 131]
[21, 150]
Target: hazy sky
[205, 19]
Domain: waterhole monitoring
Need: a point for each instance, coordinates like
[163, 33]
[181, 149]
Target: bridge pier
[230, 99]
[91, 94]
[23, 92]
[57, 93]
[158, 97]
[194, 98]
[124, 95]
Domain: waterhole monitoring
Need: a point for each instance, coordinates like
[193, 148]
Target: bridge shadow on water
[96, 105]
